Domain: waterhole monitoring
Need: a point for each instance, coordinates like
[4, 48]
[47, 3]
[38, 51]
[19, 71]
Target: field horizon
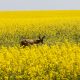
[39, 13]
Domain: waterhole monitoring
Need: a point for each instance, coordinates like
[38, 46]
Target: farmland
[57, 59]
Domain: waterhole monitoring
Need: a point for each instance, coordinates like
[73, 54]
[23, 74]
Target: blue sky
[39, 4]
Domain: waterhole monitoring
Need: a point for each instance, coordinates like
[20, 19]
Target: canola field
[57, 59]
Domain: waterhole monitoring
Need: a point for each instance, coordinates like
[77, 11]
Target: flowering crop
[57, 59]
[40, 62]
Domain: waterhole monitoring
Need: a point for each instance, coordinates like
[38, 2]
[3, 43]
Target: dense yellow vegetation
[57, 59]
[61, 62]
[38, 16]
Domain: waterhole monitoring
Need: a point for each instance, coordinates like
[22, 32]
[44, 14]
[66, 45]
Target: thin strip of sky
[40, 4]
